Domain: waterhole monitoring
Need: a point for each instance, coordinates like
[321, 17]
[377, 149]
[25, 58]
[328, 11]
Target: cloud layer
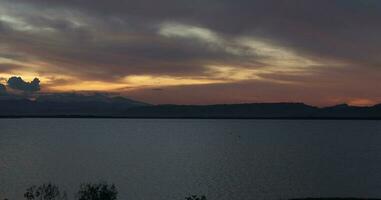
[319, 52]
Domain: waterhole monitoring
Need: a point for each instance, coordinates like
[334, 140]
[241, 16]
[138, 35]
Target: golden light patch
[87, 86]
[222, 75]
[148, 81]
[361, 102]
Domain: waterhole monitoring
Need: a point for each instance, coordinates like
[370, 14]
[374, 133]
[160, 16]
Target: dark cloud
[3, 89]
[103, 59]
[109, 40]
[4, 68]
[348, 31]
[17, 83]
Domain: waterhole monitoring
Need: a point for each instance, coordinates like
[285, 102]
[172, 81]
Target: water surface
[162, 159]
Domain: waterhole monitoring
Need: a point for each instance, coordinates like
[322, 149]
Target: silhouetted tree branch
[196, 197]
[44, 192]
[100, 191]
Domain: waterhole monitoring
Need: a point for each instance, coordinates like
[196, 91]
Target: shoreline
[217, 118]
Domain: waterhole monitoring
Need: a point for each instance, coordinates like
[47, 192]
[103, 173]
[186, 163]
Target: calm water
[169, 159]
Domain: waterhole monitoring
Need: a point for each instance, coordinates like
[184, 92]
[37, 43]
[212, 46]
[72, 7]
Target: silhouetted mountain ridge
[100, 105]
[66, 104]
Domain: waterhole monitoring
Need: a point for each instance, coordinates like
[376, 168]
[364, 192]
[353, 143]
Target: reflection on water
[169, 159]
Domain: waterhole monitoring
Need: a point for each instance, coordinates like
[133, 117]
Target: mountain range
[100, 105]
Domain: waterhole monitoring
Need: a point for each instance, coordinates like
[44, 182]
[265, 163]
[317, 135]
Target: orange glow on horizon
[361, 102]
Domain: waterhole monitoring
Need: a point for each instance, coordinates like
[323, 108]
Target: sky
[321, 53]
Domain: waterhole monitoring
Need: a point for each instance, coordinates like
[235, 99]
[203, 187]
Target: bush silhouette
[87, 191]
[100, 191]
[195, 197]
[44, 192]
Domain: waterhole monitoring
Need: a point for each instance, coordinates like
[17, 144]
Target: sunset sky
[197, 51]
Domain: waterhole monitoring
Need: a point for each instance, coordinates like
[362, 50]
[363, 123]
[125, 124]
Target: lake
[164, 159]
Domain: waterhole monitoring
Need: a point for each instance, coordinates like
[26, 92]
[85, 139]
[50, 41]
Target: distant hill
[99, 105]
[257, 110]
[66, 105]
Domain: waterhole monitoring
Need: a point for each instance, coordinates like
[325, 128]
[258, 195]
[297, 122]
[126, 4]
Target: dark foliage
[100, 191]
[44, 192]
[337, 198]
[196, 197]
